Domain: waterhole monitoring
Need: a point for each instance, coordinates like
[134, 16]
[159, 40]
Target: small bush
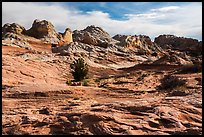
[76, 98]
[180, 91]
[85, 82]
[97, 80]
[79, 69]
[190, 69]
[68, 82]
[171, 82]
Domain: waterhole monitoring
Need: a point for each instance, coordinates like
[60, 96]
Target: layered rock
[43, 30]
[94, 36]
[73, 48]
[120, 99]
[189, 45]
[94, 41]
[14, 40]
[12, 35]
[141, 44]
[173, 57]
[172, 60]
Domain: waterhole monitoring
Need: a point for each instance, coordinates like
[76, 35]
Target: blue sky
[130, 18]
[117, 10]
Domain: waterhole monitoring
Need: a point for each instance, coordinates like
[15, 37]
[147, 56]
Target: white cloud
[184, 20]
[25, 13]
[165, 9]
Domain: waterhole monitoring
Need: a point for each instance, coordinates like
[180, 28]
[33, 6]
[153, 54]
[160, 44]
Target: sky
[183, 19]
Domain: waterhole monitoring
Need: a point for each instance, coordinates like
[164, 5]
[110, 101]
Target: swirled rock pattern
[121, 94]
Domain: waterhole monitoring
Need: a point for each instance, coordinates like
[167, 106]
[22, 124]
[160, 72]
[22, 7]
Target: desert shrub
[171, 82]
[68, 82]
[180, 91]
[79, 69]
[97, 80]
[76, 98]
[40, 94]
[85, 82]
[190, 69]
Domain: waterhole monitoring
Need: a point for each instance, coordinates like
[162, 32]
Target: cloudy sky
[133, 18]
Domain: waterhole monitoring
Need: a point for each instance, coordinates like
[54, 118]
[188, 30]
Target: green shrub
[79, 69]
[171, 82]
[68, 82]
[85, 82]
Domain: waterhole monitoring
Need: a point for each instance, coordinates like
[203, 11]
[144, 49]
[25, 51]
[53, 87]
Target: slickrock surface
[122, 96]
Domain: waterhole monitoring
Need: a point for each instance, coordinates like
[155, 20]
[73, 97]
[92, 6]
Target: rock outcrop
[43, 30]
[172, 60]
[12, 35]
[189, 45]
[74, 48]
[13, 28]
[141, 44]
[66, 37]
[94, 36]
[14, 40]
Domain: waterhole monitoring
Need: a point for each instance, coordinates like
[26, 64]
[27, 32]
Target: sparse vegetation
[180, 91]
[181, 88]
[171, 82]
[68, 82]
[85, 82]
[79, 69]
[76, 98]
[190, 69]
[121, 82]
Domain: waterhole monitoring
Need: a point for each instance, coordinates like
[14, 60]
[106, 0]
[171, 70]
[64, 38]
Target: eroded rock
[189, 45]
[43, 30]
[93, 36]
[13, 28]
